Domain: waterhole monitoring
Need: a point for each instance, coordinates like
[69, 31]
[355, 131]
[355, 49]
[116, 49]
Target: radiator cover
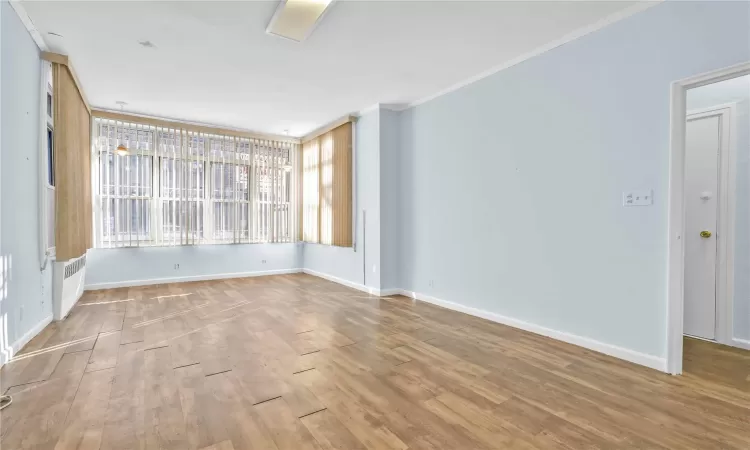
[68, 281]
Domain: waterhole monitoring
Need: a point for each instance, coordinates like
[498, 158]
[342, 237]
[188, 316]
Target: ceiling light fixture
[288, 166]
[121, 149]
[296, 19]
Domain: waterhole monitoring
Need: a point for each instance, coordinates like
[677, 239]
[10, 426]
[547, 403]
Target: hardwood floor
[295, 362]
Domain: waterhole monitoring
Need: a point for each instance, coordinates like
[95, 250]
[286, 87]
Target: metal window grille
[180, 187]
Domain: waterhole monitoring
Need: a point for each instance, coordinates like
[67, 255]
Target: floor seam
[314, 412]
[186, 365]
[217, 373]
[265, 401]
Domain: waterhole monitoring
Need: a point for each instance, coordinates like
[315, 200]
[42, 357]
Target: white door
[702, 150]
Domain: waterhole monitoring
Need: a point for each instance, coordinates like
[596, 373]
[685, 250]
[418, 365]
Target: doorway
[709, 200]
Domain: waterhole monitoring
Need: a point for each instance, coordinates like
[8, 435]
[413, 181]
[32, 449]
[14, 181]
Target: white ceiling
[214, 63]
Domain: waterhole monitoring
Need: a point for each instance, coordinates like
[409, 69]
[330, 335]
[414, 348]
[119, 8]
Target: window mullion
[156, 195]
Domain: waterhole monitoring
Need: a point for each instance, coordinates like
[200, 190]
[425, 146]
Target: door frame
[676, 206]
[725, 216]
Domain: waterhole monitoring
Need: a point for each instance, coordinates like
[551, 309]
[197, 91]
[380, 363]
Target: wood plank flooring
[294, 362]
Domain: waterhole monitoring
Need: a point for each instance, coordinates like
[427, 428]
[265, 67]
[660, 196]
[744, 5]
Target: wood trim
[55, 58]
[197, 128]
[329, 127]
[63, 60]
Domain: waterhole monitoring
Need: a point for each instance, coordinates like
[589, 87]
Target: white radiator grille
[74, 267]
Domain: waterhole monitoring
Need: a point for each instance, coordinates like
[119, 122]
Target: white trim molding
[347, 283]
[572, 36]
[389, 292]
[217, 276]
[741, 343]
[644, 359]
[8, 353]
[676, 207]
[29, 24]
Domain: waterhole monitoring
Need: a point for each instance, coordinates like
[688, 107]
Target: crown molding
[572, 36]
[30, 27]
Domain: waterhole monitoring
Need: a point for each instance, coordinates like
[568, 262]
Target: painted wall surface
[512, 186]
[26, 291]
[390, 199]
[731, 91]
[346, 263]
[122, 265]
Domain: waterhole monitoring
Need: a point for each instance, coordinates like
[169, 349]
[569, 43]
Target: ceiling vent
[296, 19]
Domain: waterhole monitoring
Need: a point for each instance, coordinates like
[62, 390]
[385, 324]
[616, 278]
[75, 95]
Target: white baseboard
[217, 276]
[643, 359]
[387, 292]
[741, 343]
[7, 354]
[347, 283]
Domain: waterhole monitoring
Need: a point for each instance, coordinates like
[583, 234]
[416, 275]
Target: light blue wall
[706, 97]
[343, 262]
[122, 265]
[390, 195]
[26, 290]
[512, 186]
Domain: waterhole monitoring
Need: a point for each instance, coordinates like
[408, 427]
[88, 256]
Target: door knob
[705, 234]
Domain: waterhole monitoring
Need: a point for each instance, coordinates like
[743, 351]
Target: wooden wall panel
[73, 222]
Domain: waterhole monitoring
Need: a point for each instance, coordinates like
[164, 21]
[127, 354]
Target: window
[327, 188]
[47, 166]
[50, 156]
[160, 186]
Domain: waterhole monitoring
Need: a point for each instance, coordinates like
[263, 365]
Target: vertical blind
[173, 186]
[71, 138]
[327, 188]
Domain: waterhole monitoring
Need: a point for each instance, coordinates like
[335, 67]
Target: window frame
[228, 154]
[47, 170]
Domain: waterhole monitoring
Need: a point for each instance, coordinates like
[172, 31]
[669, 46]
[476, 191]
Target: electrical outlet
[176, 266]
[263, 261]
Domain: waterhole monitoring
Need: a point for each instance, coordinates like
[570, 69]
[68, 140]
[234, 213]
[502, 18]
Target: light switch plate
[638, 198]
